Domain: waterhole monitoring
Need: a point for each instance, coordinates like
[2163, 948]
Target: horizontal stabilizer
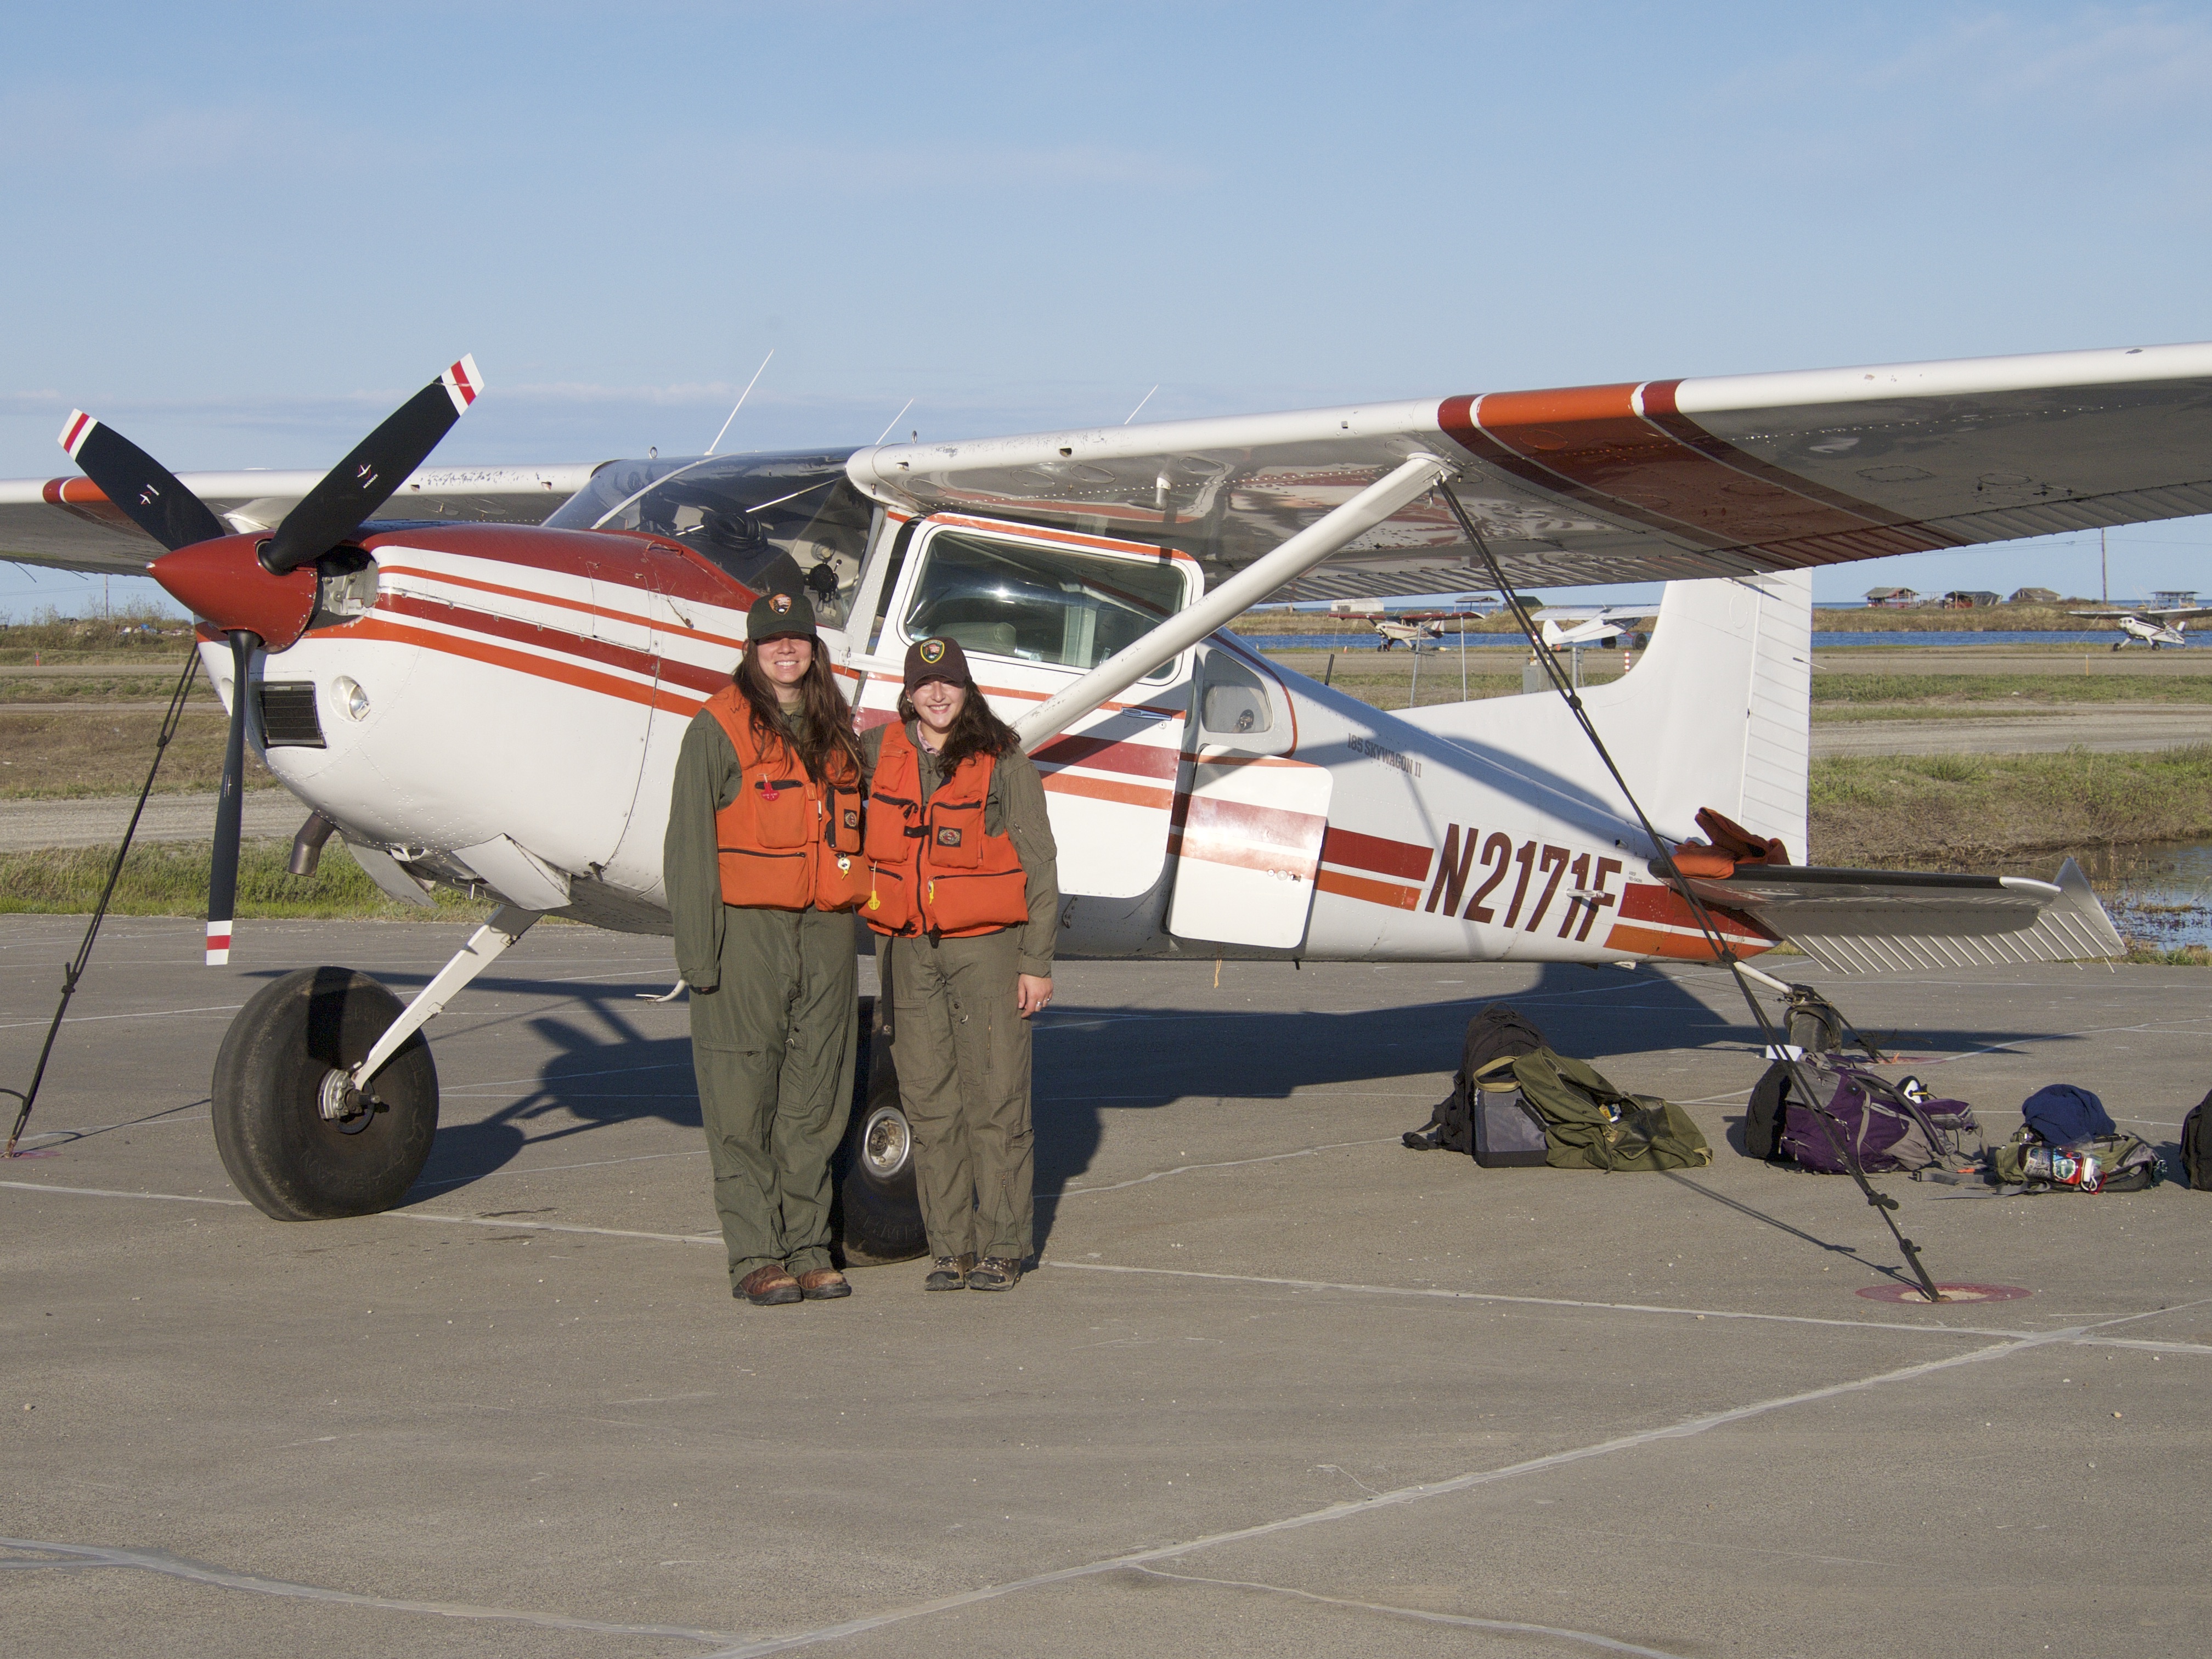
[1865, 921]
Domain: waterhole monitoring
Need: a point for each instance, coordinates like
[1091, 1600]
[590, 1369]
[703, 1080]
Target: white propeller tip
[462, 384]
[218, 944]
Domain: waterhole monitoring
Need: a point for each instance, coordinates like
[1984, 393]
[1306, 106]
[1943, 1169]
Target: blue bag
[2064, 1114]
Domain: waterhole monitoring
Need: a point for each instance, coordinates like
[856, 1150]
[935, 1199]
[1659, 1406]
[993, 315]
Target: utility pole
[2104, 571]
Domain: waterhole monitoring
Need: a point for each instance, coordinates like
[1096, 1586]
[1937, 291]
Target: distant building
[1891, 597]
[2175, 598]
[2033, 596]
[1356, 607]
[1966, 599]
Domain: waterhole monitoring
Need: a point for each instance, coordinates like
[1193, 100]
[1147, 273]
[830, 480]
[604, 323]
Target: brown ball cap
[936, 659]
[779, 613]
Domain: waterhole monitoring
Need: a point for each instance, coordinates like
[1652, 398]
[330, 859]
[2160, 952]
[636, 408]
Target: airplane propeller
[239, 594]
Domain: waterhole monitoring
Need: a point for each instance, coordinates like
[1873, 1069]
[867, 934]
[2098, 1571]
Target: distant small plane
[1590, 624]
[1398, 630]
[1410, 628]
[2154, 628]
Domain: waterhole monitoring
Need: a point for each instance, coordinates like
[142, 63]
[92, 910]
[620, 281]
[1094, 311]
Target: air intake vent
[288, 719]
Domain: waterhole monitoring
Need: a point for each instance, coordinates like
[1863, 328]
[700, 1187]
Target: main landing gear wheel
[878, 1206]
[283, 1060]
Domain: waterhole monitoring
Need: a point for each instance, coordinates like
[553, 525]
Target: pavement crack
[1464, 1621]
[200, 1572]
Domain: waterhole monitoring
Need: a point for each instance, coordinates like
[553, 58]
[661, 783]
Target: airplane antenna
[740, 404]
[894, 420]
[1141, 402]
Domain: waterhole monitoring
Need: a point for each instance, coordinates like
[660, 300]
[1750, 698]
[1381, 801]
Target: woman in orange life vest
[761, 864]
[961, 880]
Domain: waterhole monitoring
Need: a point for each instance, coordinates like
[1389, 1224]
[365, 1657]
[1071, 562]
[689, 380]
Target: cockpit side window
[1041, 604]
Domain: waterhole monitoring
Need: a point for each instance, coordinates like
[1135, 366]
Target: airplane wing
[1888, 920]
[1631, 481]
[68, 523]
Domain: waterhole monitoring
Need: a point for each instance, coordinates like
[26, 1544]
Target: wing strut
[1419, 474]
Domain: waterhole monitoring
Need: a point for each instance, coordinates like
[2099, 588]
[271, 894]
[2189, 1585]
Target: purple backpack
[1875, 1119]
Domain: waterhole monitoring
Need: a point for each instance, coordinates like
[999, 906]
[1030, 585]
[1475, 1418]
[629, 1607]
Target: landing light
[351, 697]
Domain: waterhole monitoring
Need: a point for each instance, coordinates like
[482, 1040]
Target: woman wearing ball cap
[761, 860]
[962, 881]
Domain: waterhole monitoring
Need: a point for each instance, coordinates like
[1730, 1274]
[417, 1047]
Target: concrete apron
[1281, 1385]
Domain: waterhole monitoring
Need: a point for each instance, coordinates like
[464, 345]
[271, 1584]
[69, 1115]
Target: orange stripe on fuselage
[1388, 893]
[1129, 794]
[664, 698]
[580, 606]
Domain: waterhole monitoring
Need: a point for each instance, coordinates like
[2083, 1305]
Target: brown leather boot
[823, 1285]
[768, 1287]
[995, 1273]
[949, 1272]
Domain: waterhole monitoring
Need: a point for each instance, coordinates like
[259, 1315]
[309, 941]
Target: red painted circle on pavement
[1951, 1293]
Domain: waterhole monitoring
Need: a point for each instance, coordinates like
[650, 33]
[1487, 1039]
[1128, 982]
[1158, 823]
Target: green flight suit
[961, 1047]
[775, 1012]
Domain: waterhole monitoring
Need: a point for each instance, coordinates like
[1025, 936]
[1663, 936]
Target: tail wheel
[296, 1140]
[879, 1209]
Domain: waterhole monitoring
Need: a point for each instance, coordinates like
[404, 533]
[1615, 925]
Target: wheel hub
[886, 1142]
[341, 1103]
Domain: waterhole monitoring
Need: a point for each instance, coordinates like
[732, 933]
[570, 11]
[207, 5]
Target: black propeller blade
[229, 807]
[380, 463]
[144, 490]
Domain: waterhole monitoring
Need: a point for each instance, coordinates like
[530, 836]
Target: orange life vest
[933, 869]
[786, 843]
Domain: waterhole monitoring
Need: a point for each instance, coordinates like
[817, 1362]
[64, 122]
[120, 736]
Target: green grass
[2179, 955]
[1885, 811]
[2016, 690]
[121, 637]
[170, 878]
[1996, 618]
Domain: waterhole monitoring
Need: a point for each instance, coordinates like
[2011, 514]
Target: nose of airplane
[223, 581]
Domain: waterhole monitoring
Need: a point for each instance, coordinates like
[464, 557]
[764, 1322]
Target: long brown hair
[829, 717]
[976, 731]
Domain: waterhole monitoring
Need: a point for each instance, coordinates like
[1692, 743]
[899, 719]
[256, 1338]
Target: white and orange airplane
[497, 707]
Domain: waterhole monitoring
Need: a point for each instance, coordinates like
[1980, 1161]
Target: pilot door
[1248, 834]
[1034, 610]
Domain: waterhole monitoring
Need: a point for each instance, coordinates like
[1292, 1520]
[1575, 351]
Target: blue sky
[243, 234]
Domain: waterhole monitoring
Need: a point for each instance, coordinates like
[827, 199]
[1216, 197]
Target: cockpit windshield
[790, 522]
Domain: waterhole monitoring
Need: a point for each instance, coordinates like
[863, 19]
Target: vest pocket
[955, 835]
[841, 826]
[888, 818]
[887, 907]
[782, 814]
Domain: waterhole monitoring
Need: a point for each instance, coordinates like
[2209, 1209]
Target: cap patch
[781, 604]
[932, 652]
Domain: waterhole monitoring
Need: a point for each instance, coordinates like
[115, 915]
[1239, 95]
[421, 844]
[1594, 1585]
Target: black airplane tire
[879, 1212]
[290, 1162]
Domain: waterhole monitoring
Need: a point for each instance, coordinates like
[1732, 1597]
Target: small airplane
[1565, 626]
[496, 706]
[2154, 628]
[1407, 630]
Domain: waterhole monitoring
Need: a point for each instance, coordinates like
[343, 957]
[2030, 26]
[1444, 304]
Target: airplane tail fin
[1716, 714]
